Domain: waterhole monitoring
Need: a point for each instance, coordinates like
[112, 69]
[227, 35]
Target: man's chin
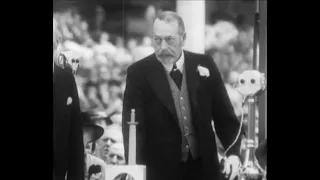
[166, 60]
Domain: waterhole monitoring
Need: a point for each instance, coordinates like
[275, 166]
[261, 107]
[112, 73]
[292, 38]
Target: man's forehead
[113, 134]
[163, 28]
[117, 149]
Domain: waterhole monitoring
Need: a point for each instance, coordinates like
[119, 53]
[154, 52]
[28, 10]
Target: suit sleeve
[133, 99]
[76, 147]
[225, 120]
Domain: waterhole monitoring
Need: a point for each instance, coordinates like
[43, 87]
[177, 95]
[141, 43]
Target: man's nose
[109, 142]
[163, 44]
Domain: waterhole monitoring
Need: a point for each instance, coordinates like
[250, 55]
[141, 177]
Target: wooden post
[132, 170]
[132, 139]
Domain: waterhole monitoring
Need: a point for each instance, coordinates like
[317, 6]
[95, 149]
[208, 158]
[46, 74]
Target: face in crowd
[116, 154]
[112, 134]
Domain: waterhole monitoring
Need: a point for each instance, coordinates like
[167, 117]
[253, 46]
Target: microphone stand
[251, 170]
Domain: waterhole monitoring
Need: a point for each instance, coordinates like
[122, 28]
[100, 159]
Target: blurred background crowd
[110, 36]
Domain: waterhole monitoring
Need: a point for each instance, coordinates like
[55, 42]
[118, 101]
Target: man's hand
[231, 166]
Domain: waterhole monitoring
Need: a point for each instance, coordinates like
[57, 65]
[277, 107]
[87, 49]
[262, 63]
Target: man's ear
[184, 37]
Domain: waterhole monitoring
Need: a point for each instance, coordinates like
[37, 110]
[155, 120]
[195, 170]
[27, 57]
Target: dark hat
[94, 169]
[95, 131]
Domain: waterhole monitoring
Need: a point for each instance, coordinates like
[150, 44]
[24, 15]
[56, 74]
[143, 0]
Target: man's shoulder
[139, 66]
[203, 59]
[196, 55]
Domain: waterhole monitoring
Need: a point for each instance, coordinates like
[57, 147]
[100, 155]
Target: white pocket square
[69, 100]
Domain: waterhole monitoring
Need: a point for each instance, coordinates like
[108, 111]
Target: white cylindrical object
[132, 140]
[193, 15]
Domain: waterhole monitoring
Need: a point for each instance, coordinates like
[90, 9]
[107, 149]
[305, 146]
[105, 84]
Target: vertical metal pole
[256, 43]
[256, 37]
[262, 100]
[252, 125]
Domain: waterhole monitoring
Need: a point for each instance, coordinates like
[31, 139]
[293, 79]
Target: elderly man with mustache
[176, 94]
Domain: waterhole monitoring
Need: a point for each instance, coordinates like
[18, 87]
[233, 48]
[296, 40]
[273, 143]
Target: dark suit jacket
[158, 134]
[68, 149]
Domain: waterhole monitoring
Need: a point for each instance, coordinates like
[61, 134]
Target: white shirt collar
[180, 62]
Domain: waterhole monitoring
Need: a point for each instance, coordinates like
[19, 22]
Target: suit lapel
[160, 85]
[192, 79]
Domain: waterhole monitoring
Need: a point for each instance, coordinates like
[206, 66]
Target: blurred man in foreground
[68, 149]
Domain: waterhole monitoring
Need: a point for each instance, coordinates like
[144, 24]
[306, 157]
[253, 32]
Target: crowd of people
[104, 60]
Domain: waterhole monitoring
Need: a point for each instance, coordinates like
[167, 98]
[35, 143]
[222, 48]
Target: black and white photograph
[159, 89]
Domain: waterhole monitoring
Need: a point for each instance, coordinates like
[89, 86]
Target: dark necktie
[176, 75]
